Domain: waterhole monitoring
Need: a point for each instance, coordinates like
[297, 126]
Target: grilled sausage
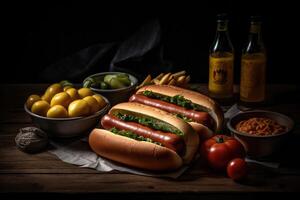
[167, 139]
[197, 116]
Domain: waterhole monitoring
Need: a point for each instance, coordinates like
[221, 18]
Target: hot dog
[167, 139]
[144, 137]
[197, 116]
[203, 113]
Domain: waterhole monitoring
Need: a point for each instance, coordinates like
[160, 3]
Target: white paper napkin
[79, 153]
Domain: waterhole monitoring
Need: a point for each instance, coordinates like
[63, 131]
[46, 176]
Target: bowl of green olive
[117, 87]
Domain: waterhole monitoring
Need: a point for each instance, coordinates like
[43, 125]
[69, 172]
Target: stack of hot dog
[160, 128]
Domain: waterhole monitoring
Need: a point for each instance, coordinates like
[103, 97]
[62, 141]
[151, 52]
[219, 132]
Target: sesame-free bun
[191, 138]
[203, 131]
[139, 154]
[214, 109]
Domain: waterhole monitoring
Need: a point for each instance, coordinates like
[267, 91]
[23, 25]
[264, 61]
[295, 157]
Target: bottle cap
[255, 19]
[222, 17]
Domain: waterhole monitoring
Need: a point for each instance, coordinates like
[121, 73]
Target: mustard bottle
[253, 66]
[221, 59]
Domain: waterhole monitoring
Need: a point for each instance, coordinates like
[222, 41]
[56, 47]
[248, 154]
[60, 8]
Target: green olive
[122, 75]
[104, 85]
[124, 80]
[79, 108]
[107, 78]
[115, 83]
[88, 82]
[57, 111]
[65, 83]
[95, 85]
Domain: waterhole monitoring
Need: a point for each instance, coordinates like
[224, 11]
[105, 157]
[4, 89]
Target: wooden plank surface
[43, 172]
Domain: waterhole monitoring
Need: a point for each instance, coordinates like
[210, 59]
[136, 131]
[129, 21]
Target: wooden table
[44, 173]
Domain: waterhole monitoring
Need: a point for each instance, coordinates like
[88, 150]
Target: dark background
[38, 35]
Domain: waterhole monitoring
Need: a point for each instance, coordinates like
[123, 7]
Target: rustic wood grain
[43, 172]
[126, 183]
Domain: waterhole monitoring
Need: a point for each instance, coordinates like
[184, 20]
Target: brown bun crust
[203, 132]
[168, 90]
[144, 155]
[190, 137]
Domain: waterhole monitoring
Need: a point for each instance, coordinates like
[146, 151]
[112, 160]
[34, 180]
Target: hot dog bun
[190, 137]
[128, 151]
[203, 132]
[215, 110]
[141, 154]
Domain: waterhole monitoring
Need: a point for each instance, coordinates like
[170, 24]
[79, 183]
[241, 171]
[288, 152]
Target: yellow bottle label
[221, 75]
[255, 28]
[252, 88]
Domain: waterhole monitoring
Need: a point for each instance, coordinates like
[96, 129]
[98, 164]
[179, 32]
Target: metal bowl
[260, 146]
[68, 127]
[115, 96]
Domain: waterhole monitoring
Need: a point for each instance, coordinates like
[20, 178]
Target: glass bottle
[221, 59]
[253, 66]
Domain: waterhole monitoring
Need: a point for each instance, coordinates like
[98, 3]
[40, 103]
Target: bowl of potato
[64, 111]
[117, 87]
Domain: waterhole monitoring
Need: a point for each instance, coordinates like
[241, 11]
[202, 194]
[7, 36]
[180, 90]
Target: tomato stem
[220, 140]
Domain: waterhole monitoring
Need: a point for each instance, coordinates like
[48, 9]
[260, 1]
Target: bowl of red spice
[261, 132]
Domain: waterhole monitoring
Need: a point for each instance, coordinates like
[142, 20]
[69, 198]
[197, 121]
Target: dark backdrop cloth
[75, 67]
[37, 37]
[139, 55]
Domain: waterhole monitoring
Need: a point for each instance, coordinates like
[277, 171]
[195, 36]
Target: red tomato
[220, 149]
[237, 169]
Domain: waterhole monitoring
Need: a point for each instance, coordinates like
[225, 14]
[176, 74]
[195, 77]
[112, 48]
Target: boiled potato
[40, 108]
[84, 92]
[62, 98]
[31, 100]
[67, 87]
[73, 93]
[53, 90]
[57, 111]
[93, 103]
[100, 100]
[79, 108]
[47, 97]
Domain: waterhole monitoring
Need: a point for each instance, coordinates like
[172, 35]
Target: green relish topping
[177, 100]
[149, 122]
[132, 135]
[184, 118]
